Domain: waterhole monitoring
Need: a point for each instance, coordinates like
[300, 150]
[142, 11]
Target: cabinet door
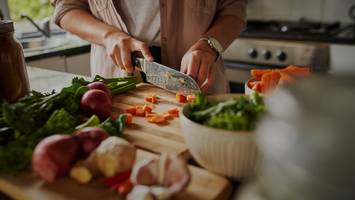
[79, 64]
[56, 63]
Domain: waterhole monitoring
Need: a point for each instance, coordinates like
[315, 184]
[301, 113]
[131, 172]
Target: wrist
[203, 45]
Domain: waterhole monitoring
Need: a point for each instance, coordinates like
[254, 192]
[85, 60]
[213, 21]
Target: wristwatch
[215, 45]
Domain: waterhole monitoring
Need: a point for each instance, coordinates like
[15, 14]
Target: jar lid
[6, 26]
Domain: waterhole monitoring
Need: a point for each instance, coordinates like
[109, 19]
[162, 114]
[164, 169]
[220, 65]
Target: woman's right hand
[120, 45]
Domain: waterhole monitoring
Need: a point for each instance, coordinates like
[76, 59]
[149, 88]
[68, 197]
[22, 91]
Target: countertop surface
[67, 45]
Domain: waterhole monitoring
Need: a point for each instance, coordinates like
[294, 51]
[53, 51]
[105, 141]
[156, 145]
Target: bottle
[13, 74]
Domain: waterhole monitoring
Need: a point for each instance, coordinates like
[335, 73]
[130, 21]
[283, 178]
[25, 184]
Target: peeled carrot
[132, 110]
[294, 70]
[174, 112]
[147, 109]
[140, 111]
[285, 78]
[258, 73]
[269, 81]
[167, 116]
[190, 97]
[157, 119]
[151, 99]
[129, 118]
[180, 98]
[257, 87]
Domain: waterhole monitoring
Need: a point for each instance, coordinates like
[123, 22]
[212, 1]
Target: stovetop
[302, 30]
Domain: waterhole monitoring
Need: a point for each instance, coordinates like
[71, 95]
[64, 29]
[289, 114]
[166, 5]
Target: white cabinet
[56, 63]
[79, 64]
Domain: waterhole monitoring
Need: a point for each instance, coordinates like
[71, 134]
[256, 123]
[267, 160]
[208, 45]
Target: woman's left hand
[198, 62]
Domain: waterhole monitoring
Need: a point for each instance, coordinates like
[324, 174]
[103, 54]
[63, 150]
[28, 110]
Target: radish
[90, 138]
[96, 102]
[100, 86]
[54, 156]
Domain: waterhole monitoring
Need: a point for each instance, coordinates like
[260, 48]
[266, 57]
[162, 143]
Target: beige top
[182, 23]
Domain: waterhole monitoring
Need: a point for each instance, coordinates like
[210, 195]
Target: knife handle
[135, 61]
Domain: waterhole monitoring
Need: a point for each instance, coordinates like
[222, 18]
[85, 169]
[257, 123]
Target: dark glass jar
[13, 74]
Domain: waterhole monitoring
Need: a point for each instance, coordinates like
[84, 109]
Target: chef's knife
[165, 77]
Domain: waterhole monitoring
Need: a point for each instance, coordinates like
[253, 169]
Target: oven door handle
[248, 66]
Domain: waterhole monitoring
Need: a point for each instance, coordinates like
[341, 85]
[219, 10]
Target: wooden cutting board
[166, 138]
[26, 186]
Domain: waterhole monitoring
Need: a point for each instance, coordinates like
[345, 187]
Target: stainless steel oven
[245, 54]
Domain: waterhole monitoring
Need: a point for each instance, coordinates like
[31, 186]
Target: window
[36, 9]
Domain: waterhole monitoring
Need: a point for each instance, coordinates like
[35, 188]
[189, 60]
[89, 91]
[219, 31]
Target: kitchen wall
[319, 10]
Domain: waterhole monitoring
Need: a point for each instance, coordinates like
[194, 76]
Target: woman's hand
[198, 63]
[120, 45]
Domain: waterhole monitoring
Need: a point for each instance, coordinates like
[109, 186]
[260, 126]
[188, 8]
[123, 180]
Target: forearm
[226, 29]
[86, 26]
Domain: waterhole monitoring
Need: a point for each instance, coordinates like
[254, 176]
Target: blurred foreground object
[307, 142]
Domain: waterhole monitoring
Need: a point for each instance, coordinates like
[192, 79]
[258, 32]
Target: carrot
[174, 112]
[151, 99]
[167, 116]
[190, 97]
[180, 98]
[140, 111]
[147, 109]
[269, 81]
[157, 119]
[285, 78]
[258, 73]
[132, 110]
[148, 115]
[129, 118]
[294, 70]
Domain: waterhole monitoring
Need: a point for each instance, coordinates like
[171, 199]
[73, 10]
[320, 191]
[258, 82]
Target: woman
[191, 34]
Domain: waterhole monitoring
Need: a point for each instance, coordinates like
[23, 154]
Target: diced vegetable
[129, 118]
[180, 98]
[190, 97]
[132, 110]
[157, 119]
[140, 111]
[151, 99]
[174, 112]
[147, 109]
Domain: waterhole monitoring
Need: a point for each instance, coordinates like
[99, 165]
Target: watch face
[216, 45]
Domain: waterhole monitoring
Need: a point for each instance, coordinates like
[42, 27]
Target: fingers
[193, 65]
[144, 49]
[203, 71]
[126, 59]
[210, 81]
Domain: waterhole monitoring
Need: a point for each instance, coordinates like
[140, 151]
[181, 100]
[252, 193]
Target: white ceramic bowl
[230, 153]
[247, 89]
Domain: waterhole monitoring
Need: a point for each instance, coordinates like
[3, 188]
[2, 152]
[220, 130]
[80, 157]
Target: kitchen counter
[71, 45]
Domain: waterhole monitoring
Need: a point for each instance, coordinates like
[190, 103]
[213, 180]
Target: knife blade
[165, 77]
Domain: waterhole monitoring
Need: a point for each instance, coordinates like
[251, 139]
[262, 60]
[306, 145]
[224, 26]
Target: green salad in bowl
[219, 132]
[236, 113]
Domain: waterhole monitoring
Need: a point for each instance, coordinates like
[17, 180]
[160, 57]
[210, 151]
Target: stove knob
[267, 54]
[281, 56]
[252, 53]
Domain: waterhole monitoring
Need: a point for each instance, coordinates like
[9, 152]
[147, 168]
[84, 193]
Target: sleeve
[64, 6]
[232, 7]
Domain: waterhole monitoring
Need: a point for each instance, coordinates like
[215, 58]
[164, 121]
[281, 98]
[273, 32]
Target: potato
[114, 155]
[54, 156]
